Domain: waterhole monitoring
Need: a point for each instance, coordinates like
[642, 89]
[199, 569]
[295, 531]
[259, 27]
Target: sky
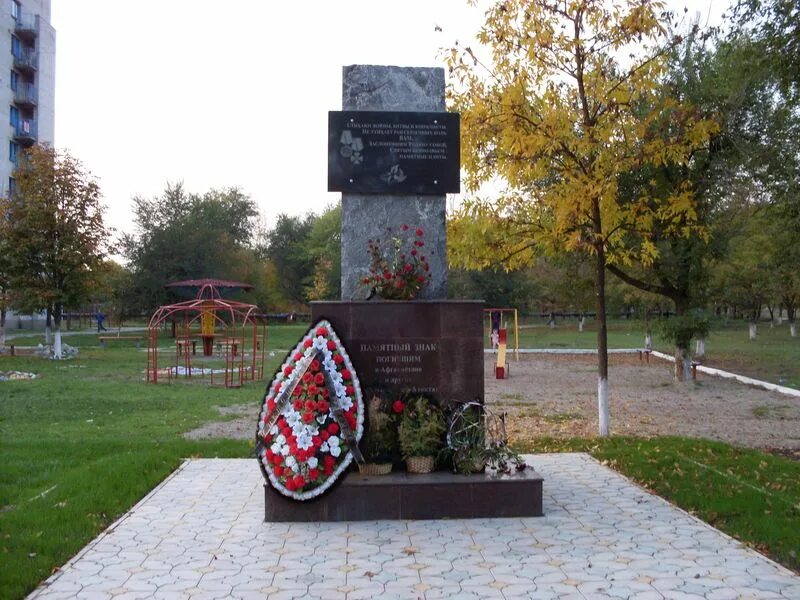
[232, 92]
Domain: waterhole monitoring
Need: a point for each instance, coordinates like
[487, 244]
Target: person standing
[100, 319]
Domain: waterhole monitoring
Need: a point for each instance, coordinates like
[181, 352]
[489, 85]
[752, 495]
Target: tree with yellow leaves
[570, 100]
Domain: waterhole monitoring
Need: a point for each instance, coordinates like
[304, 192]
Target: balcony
[26, 60]
[25, 132]
[25, 96]
[25, 27]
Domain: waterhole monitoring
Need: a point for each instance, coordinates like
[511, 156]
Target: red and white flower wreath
[313, 413]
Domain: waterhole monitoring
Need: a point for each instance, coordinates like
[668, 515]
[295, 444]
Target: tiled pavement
[201, 535]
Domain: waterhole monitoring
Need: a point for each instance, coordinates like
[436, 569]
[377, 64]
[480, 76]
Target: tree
[54, 231]
[286, 247]
[186, 236]
[5, 287]
[559, 115]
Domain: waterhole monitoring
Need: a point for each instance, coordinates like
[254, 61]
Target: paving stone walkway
[201, 534]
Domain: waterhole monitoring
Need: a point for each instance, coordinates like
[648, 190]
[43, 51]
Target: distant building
[27, 96]
[27, 81]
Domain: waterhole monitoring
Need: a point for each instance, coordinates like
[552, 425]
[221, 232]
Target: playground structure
[498, 336]
[232, 335]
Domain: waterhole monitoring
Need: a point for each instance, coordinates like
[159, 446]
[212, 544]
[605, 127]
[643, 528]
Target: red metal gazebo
[232, 335]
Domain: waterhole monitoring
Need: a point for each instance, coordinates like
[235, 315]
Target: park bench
[105, 338]
[645, 354]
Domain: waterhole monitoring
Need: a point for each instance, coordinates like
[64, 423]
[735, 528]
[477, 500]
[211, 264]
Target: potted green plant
[466, 439]
[379, 443]
[421, 429]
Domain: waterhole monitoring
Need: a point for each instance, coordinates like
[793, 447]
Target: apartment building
[27, 81]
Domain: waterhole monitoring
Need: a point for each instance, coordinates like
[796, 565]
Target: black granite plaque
[421, 346]
[381, 152]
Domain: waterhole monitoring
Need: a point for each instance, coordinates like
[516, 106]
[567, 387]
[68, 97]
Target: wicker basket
[419, 464]
[374, 469]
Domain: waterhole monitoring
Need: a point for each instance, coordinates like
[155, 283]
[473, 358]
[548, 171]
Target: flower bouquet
[380, 443]
[398, 268]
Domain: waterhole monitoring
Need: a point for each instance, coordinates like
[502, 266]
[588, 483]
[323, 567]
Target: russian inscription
[407, 366]
[393, 152]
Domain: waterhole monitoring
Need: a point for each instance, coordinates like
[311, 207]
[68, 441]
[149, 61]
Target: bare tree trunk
[47, 325]
[700, 350]
[602, 339]
[683, 364]
[648, 341]
[57, 322]
[753, 331]
[793, 329]
[581, 321]
[2, 327]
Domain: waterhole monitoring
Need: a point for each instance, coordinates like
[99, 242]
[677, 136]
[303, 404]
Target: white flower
[321, 419]
[285, 450]
[280, 440]
[304, 441]
[320, 343]
[312, 462]
[292, 418]
[335, 451]
[276, 448]
[274, 430]
[334, 441]
[325, 447]
[346, 403]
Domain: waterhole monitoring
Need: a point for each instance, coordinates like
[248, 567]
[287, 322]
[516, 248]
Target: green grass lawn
[87, 439]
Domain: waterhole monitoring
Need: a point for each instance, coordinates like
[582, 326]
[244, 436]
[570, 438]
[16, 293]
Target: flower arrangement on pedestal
[398, 268]
[312, 417]
[380, 442]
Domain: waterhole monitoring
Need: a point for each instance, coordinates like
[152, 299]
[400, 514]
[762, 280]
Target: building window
[16, 46]
[13, 80]
[11, 185]
[13, 147]
[15, 9]
[14, 117]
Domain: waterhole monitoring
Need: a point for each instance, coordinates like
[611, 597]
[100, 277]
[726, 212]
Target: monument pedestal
[438, 495]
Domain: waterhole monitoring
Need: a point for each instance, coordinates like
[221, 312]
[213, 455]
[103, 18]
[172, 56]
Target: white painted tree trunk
[602, 405]
[683, 364]
[581, 321]
[793, 329]
[700, 349]
[57, 343]
[648, 341]
[753, 330]
[47, 335]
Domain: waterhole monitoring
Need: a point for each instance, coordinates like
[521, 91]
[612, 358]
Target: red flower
[328, 460]
[331, 345]
[324, 435]
[287, 371]
[313, 390]
[421, 278]
[333, 428]
[277, 459]
[270, 455]
[281, 423]
[315, 366]
[278, 471]
[298, 404]
[299, 481]
[338, 359]
[398, 406]
[317, 441]
[365, 281]
[311, 405]
[300, 455]
[286, 431]
[308, 417]
[270, 405]
[413, 252]
[323, 406]
[297, 391]
[346, 374]
[399, 283]
[404, 227]
[387, 275]
[307, 377]
[298, 356]
[322, 331]
[308, 343]
[325, 392]
[408, 268]
[313, 474]
[319, 378]
[289, 485]
[350, 390]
